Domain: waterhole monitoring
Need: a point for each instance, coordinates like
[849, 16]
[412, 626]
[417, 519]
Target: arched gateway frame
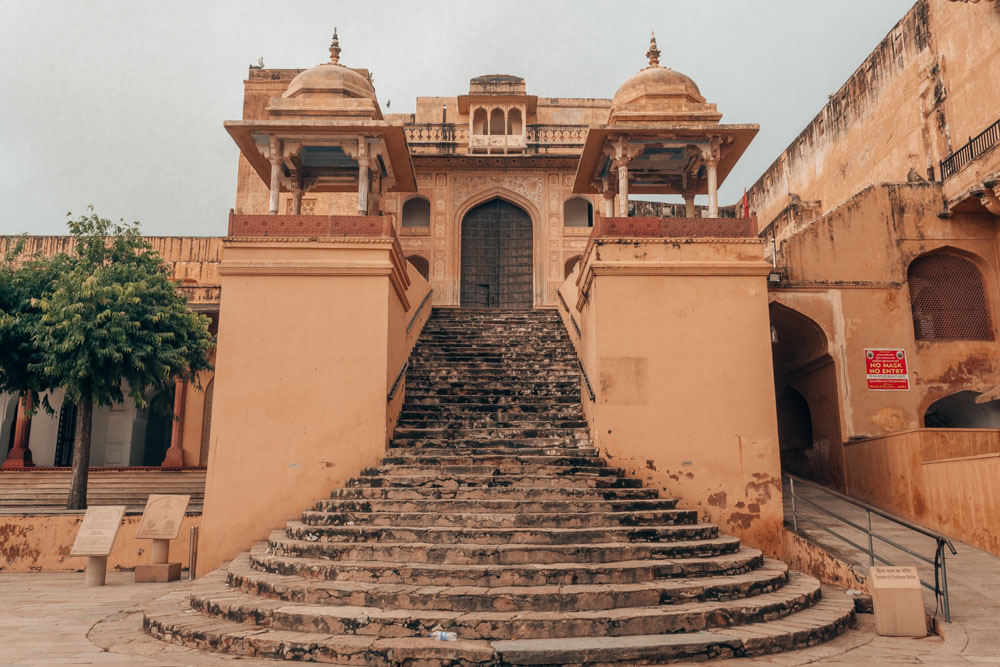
[496, 256]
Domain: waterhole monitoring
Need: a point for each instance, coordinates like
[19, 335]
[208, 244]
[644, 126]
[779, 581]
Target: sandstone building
[841, 326]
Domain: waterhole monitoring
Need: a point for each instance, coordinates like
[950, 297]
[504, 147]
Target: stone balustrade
[314, 226]
[649, 227]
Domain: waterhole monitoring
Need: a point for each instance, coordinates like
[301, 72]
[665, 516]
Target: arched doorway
[496, 256]
[807, 398]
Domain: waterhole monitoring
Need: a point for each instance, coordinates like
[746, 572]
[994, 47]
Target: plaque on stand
[161, 522]
[96, 538]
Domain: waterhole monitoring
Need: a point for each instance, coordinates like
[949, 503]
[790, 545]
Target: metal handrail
[940, 586]
[419, 308]
[979, 145]
[397, 381]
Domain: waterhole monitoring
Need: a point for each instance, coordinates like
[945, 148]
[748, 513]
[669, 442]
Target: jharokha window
[948, 299]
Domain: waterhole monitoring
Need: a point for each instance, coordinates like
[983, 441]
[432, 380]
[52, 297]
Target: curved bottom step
[174, 620]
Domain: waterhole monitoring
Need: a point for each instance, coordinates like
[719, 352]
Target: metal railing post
[871, 542]
[795, 516]
[945, 605]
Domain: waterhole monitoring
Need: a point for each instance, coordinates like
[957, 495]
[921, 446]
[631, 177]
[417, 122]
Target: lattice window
[948, 299]
[308, 207]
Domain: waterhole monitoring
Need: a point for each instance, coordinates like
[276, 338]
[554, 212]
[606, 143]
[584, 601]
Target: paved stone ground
[48, 619]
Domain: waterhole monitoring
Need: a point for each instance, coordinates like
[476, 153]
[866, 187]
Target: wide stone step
[177, 622]
[463, 535]
[488, 450]
[424, 459]
[590, 469]
[474, 565]
[518, 595]
[499, 554]
[546, 412]
[493, 492]
[494, 505]
[403, 434]
[463, 427]
[444, 481]
[433, 398]
[521, 519]
[800, 592]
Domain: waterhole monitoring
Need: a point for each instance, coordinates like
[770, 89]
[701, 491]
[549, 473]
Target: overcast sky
[120, 104]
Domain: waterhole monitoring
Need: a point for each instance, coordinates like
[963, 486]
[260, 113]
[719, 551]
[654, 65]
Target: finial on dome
[654, 53]
[335, 49]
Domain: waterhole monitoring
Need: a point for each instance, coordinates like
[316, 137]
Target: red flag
[746, 204]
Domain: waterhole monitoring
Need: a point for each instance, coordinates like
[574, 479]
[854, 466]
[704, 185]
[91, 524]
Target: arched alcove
[479, 121]
[514, 124]
[8, 426]
[206, 423]
[960, 410]
[416, 212]
[497, 124]
[578, 212]
[421, 264]
[948, 299]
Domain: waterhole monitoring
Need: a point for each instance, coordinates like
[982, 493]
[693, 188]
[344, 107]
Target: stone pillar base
[159, 573]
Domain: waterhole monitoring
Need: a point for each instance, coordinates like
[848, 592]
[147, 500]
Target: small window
[421, 264]
[947, 299]
[578, 212]
[417, 212]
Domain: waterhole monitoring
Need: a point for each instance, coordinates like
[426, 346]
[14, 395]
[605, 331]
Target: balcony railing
[447, 137]
[561, 135]
[675, 228]
[979, 145]
[314, 226]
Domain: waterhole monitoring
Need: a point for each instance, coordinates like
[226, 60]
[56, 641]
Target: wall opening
[206, 423]
[479, 121]
[514, 124]
[578, 212]
[65, 435]
[8, 427]
[807, 398]
[570, 265]
[497, 124]
[159, 427]
[421, 264]
[947, 299]
[960, 410]
[416, 212]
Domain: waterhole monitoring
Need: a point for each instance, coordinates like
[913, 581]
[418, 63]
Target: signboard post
[161, 522]
[886, 369]
[899, 604]
[96, 538]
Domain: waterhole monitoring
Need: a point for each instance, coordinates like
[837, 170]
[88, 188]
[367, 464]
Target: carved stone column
[19, 455]
[711, 166]
[297, 197]
[623, 187]
[688, 204]
[175, 455]
[362, 176]
[275, 159]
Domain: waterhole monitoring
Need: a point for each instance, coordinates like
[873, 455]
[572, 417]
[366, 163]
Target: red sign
[886, 370]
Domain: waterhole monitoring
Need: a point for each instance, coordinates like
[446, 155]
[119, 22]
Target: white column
[275, 159]
[622, 188]
[609, 204]
[713, 188]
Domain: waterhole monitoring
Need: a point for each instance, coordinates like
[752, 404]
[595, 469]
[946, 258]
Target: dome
[659, 94]
[331, 78]
[656, 82]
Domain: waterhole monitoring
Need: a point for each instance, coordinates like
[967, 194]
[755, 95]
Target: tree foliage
[102, 322]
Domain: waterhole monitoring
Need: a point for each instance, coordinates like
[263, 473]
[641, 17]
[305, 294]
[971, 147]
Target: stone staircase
[492, 516]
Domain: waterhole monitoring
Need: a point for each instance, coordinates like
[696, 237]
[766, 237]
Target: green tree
[113, 322]
[23, 280]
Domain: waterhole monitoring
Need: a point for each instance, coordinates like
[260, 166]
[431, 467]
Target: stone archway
[496, 256]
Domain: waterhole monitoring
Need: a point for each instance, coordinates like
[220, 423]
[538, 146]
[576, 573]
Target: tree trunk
[81, 456]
